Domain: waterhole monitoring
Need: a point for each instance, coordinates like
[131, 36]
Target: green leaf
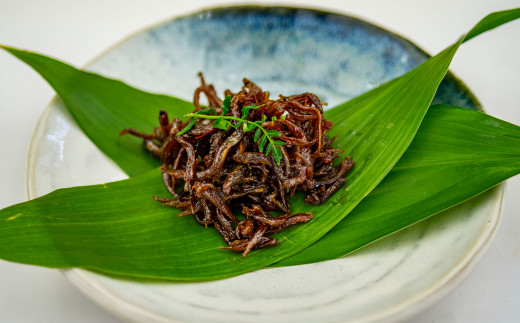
[493, 20]
[226, 104]
[208, 111]
[273, 133]
[457, 154]
[258, 133]
[268, 149]
[116, 229]
[262, 142]
[246, 109]
[188, 127]
[103, 107]
[279, 142]
[221, 123]
[193, 120]
[277, 154]
[248, 126]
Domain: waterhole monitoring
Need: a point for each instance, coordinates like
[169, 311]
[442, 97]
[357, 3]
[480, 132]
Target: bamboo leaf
[103, 107]
[493, 20]
[468, 154]
[123, 232]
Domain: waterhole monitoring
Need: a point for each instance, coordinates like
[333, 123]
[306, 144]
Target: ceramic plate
[287, 51]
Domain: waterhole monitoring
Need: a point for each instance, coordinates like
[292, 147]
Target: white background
[76, 32]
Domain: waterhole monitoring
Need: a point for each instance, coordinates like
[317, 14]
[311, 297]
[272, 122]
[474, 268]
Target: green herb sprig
[262, 136]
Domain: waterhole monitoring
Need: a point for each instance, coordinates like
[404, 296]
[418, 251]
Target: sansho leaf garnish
[263, 137]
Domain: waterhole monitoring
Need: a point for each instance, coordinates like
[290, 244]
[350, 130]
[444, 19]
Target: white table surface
[76, 32]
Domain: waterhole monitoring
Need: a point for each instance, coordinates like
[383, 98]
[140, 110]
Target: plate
[284, 50]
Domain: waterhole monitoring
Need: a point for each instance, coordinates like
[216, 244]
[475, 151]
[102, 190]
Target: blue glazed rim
[450, 86]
